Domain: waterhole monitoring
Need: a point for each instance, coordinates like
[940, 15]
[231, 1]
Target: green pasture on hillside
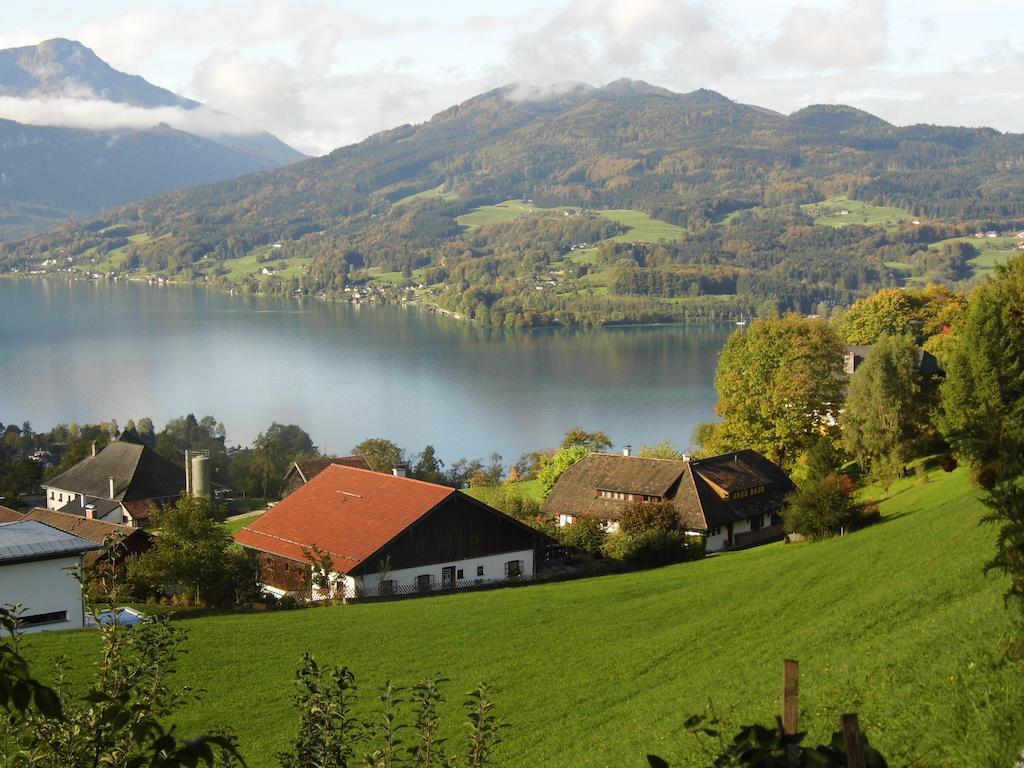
[531, 489]
[991, 250]
[435, 193]
[858, 213]
[250, 265]
[640, 226]
[895, 622]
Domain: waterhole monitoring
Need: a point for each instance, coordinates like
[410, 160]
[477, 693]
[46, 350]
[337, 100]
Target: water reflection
[83, 351]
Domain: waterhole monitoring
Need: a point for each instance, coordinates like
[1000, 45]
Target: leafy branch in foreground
[331, 736]
[117, 724]
[761, 746]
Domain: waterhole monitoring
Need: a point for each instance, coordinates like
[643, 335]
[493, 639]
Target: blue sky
[321, 74]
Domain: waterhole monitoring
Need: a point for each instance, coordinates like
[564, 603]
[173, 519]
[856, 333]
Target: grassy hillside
[893, 622]
[830, 213]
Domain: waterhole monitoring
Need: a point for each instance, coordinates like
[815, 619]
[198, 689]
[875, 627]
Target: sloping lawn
[893, 622]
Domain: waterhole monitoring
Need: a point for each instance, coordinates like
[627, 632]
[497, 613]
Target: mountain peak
[62, 67]
[838, 118]
[626, 85]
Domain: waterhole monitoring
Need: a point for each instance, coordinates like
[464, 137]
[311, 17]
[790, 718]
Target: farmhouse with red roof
[385, 535]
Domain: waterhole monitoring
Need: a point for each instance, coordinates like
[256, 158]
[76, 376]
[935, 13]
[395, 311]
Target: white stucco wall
[717, 543]
[493, 568]
[59, 499]
[44, 586]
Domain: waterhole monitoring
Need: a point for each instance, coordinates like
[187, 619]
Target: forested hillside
[743, 187]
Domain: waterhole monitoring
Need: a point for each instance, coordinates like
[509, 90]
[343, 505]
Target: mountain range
[693, 160]
[49, 173]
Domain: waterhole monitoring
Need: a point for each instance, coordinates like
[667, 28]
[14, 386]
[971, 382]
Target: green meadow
[437, 193]
[896, 622]
[829, 214]
[639, 226]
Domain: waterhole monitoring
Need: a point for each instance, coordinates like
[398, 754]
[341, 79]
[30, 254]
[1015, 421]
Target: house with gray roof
[117, 484]
[734, 500]
[37, 567]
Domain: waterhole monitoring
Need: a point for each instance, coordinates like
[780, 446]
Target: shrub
[641, 517]
[289, 602]
[587, 534]
[823, 507]
[652, 548]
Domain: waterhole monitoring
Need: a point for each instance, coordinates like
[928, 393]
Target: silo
[201, 475]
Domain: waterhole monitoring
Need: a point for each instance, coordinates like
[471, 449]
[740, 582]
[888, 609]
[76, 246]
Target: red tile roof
[349, 513]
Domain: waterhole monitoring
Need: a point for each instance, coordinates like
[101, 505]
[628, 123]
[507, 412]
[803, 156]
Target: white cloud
[97, 114]
[853, 35]
[596, 41]
[132, 39]
[267, 93]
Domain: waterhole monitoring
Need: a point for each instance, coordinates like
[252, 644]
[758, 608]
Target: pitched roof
[685, 483]
[310, 468]
[347, 512]
[33, 540]
[98, 531]
[577, 491]
[139, 473]
[8, 515]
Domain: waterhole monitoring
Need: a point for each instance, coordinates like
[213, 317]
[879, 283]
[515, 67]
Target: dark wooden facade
[457, 529]
[282, 573]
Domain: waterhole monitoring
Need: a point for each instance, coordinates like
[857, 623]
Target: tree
[189, 554]
[982, 410]
[428, 467]
[662, 450]
[823, 506]
[552, 467]
[881, 416]
[779, 381]
[382, 455]
[592, 441]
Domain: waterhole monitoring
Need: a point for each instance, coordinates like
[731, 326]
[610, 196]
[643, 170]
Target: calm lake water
[81, 351]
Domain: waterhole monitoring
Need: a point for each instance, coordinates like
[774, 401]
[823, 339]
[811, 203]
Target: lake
[87, 351]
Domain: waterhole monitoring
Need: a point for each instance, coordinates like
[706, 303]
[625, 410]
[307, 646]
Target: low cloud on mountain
[98, 114]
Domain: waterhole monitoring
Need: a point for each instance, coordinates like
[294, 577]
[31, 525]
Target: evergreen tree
[879, 419]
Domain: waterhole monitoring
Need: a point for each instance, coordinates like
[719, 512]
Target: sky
[323, 74]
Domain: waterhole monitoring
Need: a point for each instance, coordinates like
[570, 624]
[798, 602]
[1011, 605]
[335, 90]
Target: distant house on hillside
[117, 542]
[735, 500]
[855, 354]
[301, 472]
[386, 535]
[37, 563]
[117, 484]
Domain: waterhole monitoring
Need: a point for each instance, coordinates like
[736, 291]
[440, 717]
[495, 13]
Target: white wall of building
[44, 586]
[493, 568]
[718, 542]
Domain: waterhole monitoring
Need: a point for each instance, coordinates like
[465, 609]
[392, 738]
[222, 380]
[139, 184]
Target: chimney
[90, 511]
[93, 447]
[400, 470]
[627, 451]
[111, 478]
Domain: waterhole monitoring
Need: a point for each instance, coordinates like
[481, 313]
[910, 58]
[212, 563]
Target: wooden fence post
[791, 696]
[854, 745]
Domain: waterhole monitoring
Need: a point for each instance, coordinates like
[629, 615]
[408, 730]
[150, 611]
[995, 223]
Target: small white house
[37, 566]
[117, 484]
